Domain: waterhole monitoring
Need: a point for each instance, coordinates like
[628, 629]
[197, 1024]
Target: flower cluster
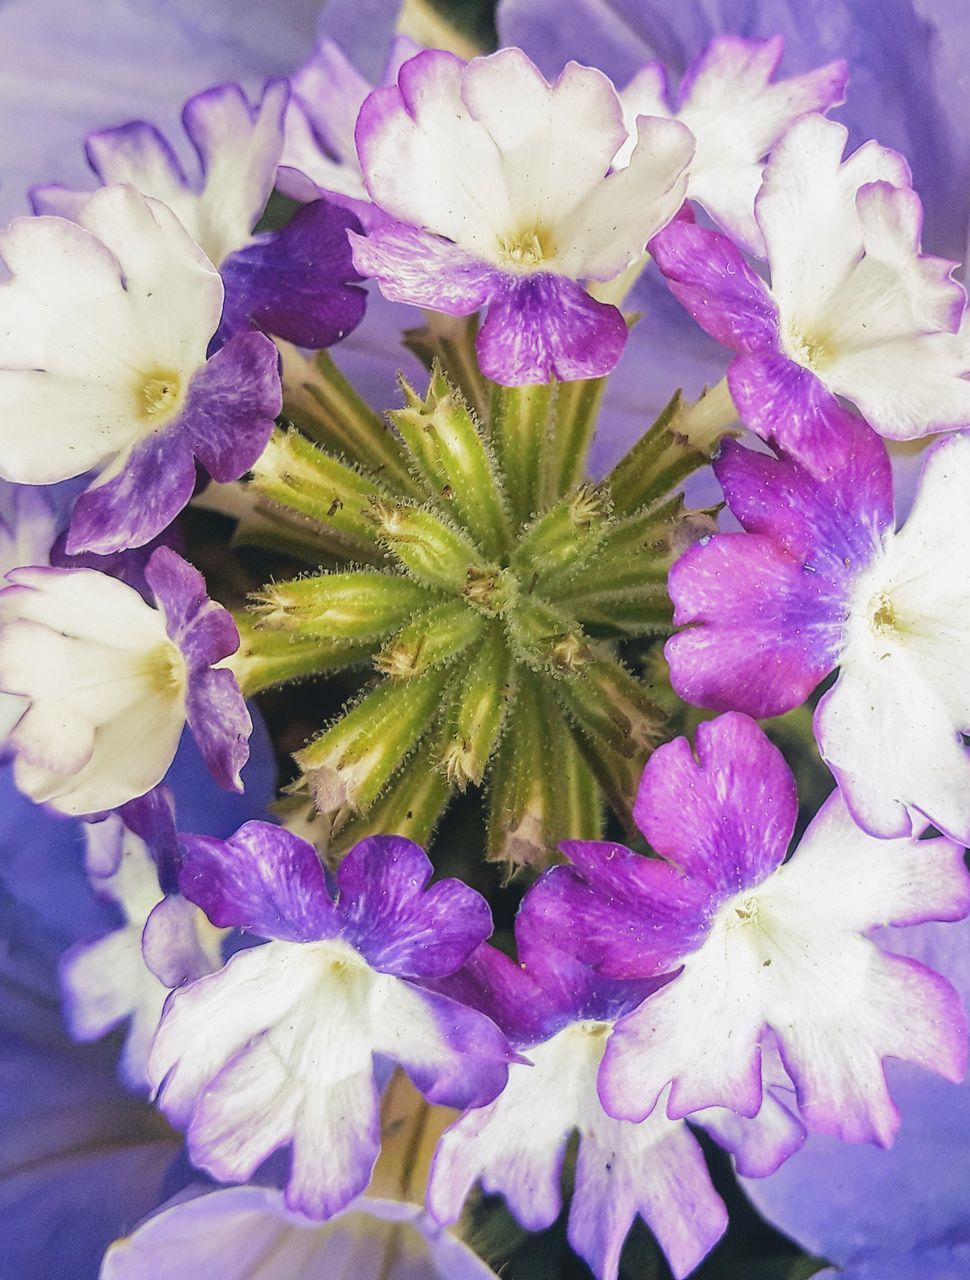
[339, 1051]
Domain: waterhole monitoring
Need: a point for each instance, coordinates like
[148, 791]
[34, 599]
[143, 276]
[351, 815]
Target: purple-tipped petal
[137, 504]
[263, 879]
[232, 403]
[455, 1056]
[707, 274]
[726, 816]
[544, 326]
[298, 283]
[399, 924]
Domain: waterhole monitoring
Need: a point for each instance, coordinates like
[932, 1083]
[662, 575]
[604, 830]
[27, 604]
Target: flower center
[525, 251]
[159, 395]
[812, 350]
[164, 669]
[882, 614]
[746, 910]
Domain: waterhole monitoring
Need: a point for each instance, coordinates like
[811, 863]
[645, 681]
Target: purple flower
[561, 1014]
[112, 681]
[820, 581]
[769, 953]
[276, 1049]
[501, 187]
[854, 307]
[105, 325]
[228, 1230]
[297, 283]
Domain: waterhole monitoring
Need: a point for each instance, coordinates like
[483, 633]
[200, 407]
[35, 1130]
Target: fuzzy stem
[520, 425]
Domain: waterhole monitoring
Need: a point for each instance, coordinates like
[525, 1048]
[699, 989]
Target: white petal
[806, 211]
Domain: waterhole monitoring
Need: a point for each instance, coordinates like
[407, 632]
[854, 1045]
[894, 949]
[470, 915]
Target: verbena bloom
[736, 111]
[320, 151]
[297, 282]
[276, 1049]
[501, 187]
[242, 1233]
[560, 1015]
[126, 975]
[899, 1214]
[853, 303]
[111, 682]
[821, 581]
[769, 953]
[104, 325]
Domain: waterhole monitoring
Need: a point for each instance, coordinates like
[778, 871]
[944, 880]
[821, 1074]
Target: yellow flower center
[525, 251]
[159, 395]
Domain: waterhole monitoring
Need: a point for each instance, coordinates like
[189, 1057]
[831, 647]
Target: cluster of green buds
[485, 585]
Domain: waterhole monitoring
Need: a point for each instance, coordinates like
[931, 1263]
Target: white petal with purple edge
[516, 1146]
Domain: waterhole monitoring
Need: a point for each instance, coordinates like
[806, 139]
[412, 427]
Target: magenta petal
[298, 283]
[834, 513]
[714, 284]
[398, 924]
[726, 817]
[786, 404]
[544, 326]
[263, 879]
[135, 505]
[764, 629]
[233, 401]
[423, 269]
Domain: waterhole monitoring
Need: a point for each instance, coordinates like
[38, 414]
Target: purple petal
[714, 284]
[152, 818]
[203, 630]
[617, 911]
[221, 724]
[464, 1065]
[263, 879]
[544, 326]
[297, 283]
[492, 982]
[232, 403]
[399, 925]
[423, 269]
[134, 506]
[726, 817]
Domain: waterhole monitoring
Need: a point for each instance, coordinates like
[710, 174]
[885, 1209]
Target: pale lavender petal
[232, 403]
[139, 502]
[263, 879]
[400, 925]
[709, 277]
[734, 829]
[544, 326]
[297, 283]
[423, 269]
[170, 942]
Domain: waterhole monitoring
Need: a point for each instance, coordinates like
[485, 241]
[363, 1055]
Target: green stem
[268, 658]
[450, 341]
[577, 408]
[520, 425]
